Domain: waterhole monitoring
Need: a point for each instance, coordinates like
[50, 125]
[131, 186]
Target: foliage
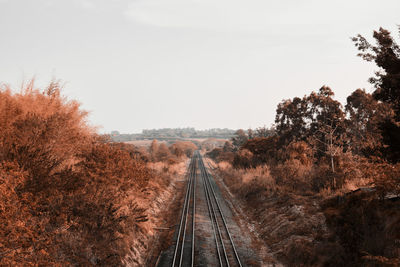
[320, 149]
[183, 148]
[66, 194]
[239, 139]
[162, 153]
[363, 124]
[263, 150]
[316, 116]
[386, 55]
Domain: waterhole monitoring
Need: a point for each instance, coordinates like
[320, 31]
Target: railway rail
[180, 257]
[185, 247]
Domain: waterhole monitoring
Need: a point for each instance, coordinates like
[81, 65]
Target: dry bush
[227, 156]
[293, 175]
[23, 238]
[219, 155]
[300, 151]
[221, 165]
[257, 180]
[139, 153]
[247, 183]
[163, 153]
[213, 154]
[183, 148]
[353, 172]
[291, 225]
[41, 131]
[232, 177]
[243, 159]
[173, 154]
[385, 176]
[293, 171]
[67, 196]
[263, 151]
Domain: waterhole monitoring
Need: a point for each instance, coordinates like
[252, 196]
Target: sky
[144, 64]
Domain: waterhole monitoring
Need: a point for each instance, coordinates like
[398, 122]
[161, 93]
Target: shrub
[243, 159]
[67, 195]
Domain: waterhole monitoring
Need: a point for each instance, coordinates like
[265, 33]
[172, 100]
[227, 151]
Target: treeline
[172, 154]
[319, 144]
[174, 133]
[320, 150]
[67, 195]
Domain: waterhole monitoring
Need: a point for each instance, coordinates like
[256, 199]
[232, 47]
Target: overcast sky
[139, 64]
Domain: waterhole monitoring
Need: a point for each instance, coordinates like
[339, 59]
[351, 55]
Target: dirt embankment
[160, 203]
[356, 229]
[366, 226]
[292, 227]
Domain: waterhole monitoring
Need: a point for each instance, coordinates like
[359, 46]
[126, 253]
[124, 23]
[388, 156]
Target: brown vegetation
[320, 152]
[172, 154]
[67, 195]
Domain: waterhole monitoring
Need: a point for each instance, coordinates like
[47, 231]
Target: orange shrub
[62, 187]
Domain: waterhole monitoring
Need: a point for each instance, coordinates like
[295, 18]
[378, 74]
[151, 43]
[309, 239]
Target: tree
[386, 54]
[163, 153]
[318, 120]
[181, 148]
[327, 142]
[364, 114]
[264, 149]
[153, 149]
[228, 147]
[250, 133]
[291, 120]
[327, 127]
[323, 111]
[302, 118]
[264, 132]
[239, 139]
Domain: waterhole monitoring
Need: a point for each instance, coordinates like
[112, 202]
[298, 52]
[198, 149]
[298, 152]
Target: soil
[167, 223]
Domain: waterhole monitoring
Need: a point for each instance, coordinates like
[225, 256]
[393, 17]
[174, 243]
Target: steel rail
[184, 215]
[208, 179]
[213, 214]
[194, 214]
[189, 175]
[223, 218]
[214, 223]
[186, 219]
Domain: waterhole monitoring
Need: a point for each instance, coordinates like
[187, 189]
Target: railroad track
[226, 250]
[185, 247]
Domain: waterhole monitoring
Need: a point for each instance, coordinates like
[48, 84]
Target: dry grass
[291, 225]
[174, 169]
[69, 196]
[291, 214]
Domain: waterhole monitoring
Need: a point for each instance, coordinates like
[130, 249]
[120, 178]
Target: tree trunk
[333, 173]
